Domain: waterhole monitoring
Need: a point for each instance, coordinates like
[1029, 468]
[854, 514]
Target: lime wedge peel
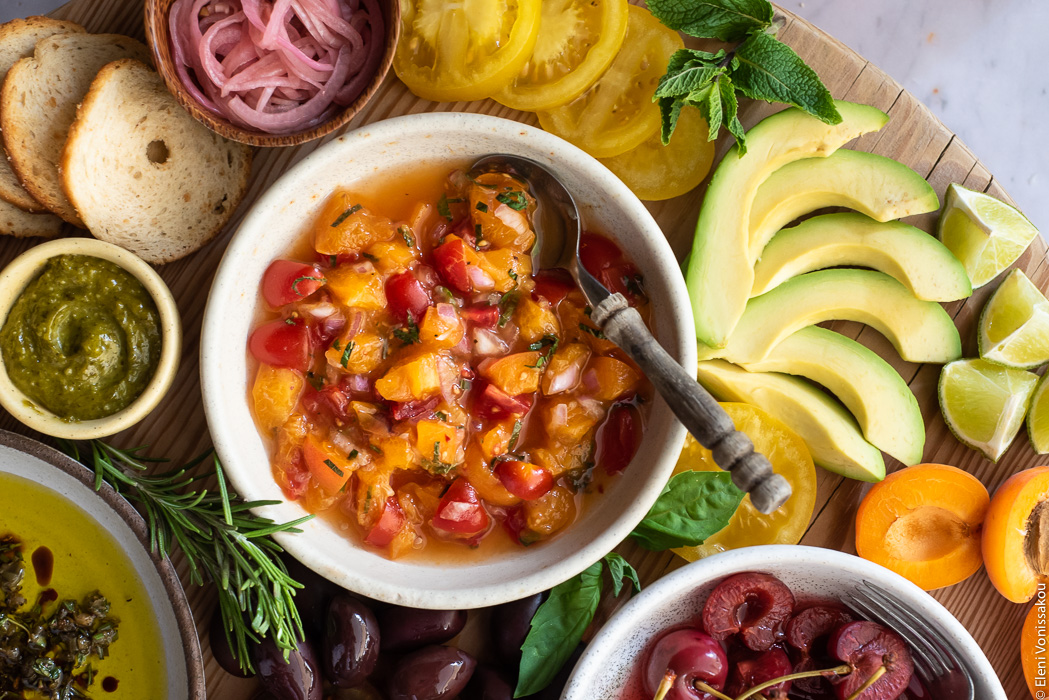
[984, 233]
[1038, 418]
[984, 404]
[1014, 324]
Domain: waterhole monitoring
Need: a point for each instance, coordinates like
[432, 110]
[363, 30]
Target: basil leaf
[728, 20]
[770, 70]
[692, 507]
[620, 570]
[557, 627]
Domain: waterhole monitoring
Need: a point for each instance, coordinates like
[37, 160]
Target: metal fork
[935, 659]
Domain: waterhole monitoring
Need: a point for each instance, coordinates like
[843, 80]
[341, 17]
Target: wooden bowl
[159, 38]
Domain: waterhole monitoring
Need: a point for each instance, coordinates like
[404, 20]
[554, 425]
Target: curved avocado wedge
[915, 259]
[721, 270]
[879, 187]
[870, 388]
[921, 331]
[828, 430]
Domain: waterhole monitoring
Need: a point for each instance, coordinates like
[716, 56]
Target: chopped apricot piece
[331, 468]
[499, 205]
[515, 374]
[396, 452]
[505, 267]
[345, 226]
[478, 471]
[611, 378]
[392, 256]
[439, 443]
[276, 392]
[441, 327]
[362, 289]
[924, 523]
[497, 440]
[536, 319]
[1016, 535]
[415, 379]
[550, 512]
[568, 422]
[360, 354]
[565, 368]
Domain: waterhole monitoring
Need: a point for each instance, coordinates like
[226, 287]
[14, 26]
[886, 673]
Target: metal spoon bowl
[558, 228]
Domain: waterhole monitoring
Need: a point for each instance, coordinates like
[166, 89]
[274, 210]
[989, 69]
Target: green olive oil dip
[83, 339]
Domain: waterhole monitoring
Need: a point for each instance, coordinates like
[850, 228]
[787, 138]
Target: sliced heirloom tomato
[281, 343]
[286, 281]
[577, 42]
[617, 113]
[466, 50]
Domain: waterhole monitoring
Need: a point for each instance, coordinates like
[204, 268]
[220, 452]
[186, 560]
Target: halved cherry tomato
[617, 113]
[553, 284]
[464, 50]
[388, 525]
[578, 39]
[496, 403]
[523, 479]
[655, 172]
[281, 344]
[450, 258]
[405, 295]
[460, 511]
[286, 281]
[618, 438]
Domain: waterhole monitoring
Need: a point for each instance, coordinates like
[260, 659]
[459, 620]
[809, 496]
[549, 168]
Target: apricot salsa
[422, 383]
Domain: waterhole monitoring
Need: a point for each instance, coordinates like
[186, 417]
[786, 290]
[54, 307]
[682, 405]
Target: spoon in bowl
[557, 228]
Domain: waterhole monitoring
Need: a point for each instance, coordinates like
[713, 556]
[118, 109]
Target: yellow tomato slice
[578, 39]
[617, 113]
[453, 50]
[654, 171]
[789, 457]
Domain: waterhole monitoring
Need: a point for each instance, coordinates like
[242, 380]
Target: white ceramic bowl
[280, 218]
[809, 572]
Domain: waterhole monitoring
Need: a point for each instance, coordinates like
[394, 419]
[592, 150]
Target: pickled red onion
[278, 66]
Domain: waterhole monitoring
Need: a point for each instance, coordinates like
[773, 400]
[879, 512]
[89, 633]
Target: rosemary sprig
[222, 540]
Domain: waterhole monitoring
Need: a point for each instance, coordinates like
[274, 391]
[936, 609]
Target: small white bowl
[23, 270]
[281, 217]
[810, 572]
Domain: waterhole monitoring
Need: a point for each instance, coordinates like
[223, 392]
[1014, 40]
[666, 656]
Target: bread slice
[145, 174]
[17, 40]
[23, 224]
[38, 104]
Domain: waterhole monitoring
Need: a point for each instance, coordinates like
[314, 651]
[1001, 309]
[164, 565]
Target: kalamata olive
[487, 683]
[431, 673]
[298, 678]
[351, 642]
[220, 648]
[361, 692]
[404, 629]
[509, 625]
[312, 600]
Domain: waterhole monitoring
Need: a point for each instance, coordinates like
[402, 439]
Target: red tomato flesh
[405, 295]
[524, 480]
[450, 258]
[286, 281]
[553, 284]
[383, 532]
[460, 511]
[618, 438]
[281, 344]
[496, 403]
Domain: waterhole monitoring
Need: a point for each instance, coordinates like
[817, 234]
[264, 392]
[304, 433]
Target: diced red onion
[487, 343]
[565, 379]
[277, 66]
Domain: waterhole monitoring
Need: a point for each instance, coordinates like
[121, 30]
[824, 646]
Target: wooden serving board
[177, 429]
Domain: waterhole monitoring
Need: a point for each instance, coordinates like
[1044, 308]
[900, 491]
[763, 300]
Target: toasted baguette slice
[143, 173]
[17, 40]
[23, 224]
[38, 103]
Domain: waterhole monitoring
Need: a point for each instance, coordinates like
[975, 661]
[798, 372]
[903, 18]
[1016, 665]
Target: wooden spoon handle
[694, 407]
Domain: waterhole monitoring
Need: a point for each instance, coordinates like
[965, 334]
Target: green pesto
[83, 339]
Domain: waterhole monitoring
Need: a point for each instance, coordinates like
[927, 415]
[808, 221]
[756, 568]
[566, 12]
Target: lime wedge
[1014, 325]
[986, 234]
[1038, 418]
[984, 404]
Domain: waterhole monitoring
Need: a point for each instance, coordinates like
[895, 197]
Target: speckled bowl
[283, 215]
[23, 270]
[72, 482]
[811, 572]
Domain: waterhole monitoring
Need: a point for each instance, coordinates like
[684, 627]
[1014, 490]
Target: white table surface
[982, 66]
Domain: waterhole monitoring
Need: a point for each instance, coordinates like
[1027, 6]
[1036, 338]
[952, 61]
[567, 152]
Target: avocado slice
[721, 271]
[915, 259]
[921, 331]
[880, 187]
[870, 388]
[828, 430]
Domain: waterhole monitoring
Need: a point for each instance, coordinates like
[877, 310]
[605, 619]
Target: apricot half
[924, 523]
[1016, 535]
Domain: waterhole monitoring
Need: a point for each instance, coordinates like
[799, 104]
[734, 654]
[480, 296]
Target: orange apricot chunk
[1016, 535]
[1034, 644]
[924, 523]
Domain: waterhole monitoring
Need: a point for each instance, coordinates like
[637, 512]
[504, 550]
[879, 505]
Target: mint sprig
[759, 67]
